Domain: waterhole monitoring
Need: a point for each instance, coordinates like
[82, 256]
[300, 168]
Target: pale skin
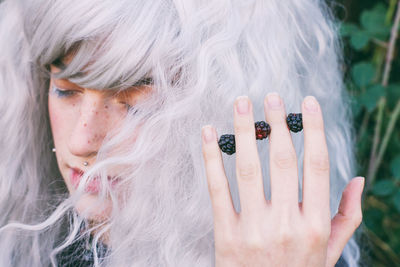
[282, 231]
[80, 119]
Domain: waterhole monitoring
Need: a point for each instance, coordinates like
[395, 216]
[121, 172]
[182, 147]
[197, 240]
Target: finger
[248, 169]
[316, 163]
[347, 219]
[223, 210]
[283, 160]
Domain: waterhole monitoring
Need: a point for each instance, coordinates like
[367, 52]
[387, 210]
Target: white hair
[201, 55]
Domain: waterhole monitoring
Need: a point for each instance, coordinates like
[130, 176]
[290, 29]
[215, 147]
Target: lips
[94, 185]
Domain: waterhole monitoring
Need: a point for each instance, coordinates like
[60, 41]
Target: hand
[280, 232]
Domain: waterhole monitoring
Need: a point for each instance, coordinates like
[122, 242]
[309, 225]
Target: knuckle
[209, 156]
[227, 241]
[285, 238]
[285, 235]
[225, 245]
[317, 236]
[285, 159]
[254, 243]
[320, 163]
[316, 125]
[242, 128]
[357, 219]
[215, 188]
[248, 171]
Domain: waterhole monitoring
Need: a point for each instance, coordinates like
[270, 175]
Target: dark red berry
[227, 143]
[295, 122]
[262, 130]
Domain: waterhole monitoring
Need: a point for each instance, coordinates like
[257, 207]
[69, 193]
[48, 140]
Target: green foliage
[376, 109]
[395, 167]
[363, 73]
[372, 25]
[384, 188]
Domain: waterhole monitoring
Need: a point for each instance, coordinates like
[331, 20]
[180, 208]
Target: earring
[85, 163]
[54, 150]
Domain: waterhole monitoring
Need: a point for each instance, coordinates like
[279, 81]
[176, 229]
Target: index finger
[223, 210]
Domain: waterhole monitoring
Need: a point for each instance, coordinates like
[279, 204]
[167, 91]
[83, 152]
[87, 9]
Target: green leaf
[373, 21]
[371, 96]
[355, 106]
[393, 95]
[359, 40]
[363, 73]
[347, 29]
[395, 166]
[383, 188]
[373, 218]
[396, 201]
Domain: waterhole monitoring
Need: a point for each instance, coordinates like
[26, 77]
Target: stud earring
[54, 150]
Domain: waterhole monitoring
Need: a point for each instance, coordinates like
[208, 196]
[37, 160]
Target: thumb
[347, 219]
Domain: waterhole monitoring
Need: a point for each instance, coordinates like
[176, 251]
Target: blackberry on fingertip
[295, 122]
[227, 143]
[262, 130]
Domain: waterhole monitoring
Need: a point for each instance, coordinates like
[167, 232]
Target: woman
[102, 103]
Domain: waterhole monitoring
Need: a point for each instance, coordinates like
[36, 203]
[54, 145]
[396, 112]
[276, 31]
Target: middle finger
[283, 160]
[248, 168]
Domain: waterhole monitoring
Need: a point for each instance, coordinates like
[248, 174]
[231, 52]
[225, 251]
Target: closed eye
[144, 81]
[61, 93]
[129, 108]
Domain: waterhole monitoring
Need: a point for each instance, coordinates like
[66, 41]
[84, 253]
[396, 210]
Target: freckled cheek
[61, 120]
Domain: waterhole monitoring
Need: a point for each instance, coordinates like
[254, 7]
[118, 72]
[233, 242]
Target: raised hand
[280, 232]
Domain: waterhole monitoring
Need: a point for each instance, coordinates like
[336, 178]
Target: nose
[90, 127]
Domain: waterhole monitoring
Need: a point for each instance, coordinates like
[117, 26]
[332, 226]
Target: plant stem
[392, 41]
[392, 122]
[383, 246]
[375, 160]
[363, 126]
[377, 133]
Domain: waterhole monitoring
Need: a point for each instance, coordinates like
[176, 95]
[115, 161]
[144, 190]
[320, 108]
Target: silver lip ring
[85, 163]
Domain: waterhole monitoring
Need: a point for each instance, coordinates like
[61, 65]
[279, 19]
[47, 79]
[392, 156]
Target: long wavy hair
[200, 55]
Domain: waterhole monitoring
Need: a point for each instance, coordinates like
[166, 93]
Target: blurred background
[372, 75]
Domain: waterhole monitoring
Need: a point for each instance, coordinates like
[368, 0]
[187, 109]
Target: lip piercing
[85, 163]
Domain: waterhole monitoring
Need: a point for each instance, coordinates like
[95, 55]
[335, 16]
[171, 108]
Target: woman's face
[80, 118]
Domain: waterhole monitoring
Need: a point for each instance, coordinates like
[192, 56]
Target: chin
[92, 208]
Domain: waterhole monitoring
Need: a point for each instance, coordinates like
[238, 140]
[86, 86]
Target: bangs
[111, 45]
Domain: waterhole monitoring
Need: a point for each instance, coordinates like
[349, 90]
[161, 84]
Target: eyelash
[145, 81]
[62, 93]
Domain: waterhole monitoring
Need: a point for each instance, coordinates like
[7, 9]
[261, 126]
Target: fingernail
[273, 100]
[242, 105]
[310, 103]
[363, 182]
[208, 134]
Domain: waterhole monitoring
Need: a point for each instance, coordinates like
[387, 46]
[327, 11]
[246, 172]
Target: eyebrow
[59, 64]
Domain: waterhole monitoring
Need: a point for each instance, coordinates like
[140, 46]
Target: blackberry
[227, 143]
[262, 130]
[295, 122]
